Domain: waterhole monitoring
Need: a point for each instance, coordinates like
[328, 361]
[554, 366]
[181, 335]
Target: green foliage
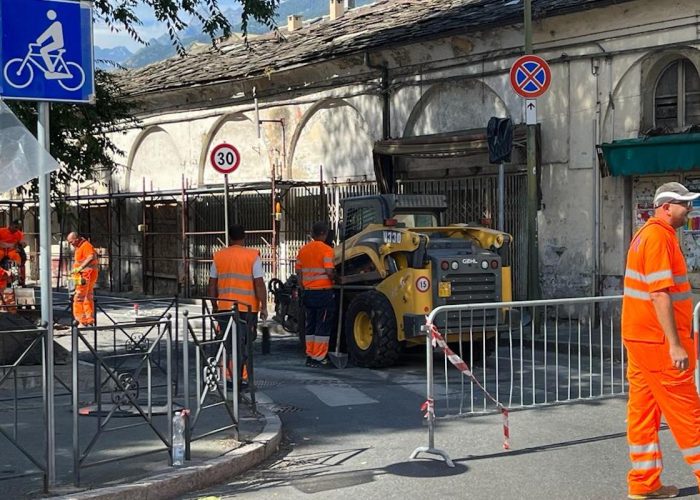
[80, 139]
[121, 16]
[80, 132]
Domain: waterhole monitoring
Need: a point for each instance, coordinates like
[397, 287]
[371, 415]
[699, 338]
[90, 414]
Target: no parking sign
[530, 76]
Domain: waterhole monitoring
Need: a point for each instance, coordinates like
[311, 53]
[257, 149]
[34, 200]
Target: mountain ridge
[162, 48]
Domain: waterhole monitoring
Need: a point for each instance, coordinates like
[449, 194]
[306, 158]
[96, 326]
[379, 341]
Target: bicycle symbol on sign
[47, 58]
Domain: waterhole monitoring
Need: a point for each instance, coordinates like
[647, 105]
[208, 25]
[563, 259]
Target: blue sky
[107, 39]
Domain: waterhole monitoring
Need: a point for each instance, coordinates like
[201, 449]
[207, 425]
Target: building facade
[416, 81]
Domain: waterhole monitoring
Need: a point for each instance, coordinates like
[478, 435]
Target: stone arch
[332, 134]
[237, 129]
[652, 65]
[153, 157]
[456, 105]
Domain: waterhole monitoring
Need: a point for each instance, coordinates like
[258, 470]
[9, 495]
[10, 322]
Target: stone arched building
[407, 87]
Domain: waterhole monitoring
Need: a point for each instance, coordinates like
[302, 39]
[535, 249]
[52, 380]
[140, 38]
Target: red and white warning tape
[429, 406]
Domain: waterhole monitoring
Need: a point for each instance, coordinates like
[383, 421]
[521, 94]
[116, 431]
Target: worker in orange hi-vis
[12, 245]
[237, 275]
[316, 274]
[85, 271]
[657, 313]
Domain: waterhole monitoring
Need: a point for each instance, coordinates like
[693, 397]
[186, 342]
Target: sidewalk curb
[210, 473]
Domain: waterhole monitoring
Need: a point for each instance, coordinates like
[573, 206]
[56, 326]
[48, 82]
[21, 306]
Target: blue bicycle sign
[19, 73]
[48, 56]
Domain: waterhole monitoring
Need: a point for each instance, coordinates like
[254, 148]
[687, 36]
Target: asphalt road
[349, 434]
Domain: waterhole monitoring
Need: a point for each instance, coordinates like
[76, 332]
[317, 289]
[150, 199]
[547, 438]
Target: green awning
[651, 155]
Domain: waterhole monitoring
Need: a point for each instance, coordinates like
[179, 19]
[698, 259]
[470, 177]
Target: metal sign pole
[227, 242]
[501, 197]
[533, 257]
[46, 299]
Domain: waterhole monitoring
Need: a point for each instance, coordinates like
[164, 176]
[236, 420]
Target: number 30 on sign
[225, 158]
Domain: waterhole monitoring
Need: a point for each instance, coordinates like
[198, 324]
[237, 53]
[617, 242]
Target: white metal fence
[524, 354]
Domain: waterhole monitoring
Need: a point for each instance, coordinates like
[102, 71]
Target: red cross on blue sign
[530, 76]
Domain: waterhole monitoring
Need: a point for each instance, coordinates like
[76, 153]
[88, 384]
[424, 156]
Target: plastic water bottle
[136, 311]
[178, 439]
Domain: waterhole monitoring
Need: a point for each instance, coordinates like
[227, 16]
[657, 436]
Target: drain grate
[284, 408]
[266, 384]
[322, 381]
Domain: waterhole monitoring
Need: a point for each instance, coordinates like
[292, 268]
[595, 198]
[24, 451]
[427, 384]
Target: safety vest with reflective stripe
[655, 263]
[234, 267]
[313, 260]
[7, 236]
[83, 251]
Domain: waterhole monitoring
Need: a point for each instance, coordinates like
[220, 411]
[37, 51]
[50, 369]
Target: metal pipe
[44, 137]
[533, 247]
[143, 236]
[236, 372]
[75, 403]
[696, 340]
[185, 253]
[501, 197]
[228, 241]
[520, 304]
[186, 359]
[168, 385]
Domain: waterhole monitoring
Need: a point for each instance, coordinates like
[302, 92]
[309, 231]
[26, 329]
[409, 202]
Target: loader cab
[407, 211]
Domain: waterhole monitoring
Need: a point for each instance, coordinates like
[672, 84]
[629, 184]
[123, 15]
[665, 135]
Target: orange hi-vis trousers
[12, 254]
[83, 300]
[656, 388]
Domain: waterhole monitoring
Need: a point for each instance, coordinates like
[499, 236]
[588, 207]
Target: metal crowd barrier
[525, 354]
[246, 348]
[9, 375]
[140, 340]
[211, 361]
[123, 370]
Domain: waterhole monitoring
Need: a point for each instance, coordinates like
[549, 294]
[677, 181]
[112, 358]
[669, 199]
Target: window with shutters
[677, 96]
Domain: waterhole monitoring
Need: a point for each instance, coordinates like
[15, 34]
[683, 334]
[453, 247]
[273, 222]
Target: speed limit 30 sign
[225, 158]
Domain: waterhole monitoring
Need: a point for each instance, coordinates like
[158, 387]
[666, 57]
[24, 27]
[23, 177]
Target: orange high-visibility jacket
[313, 260]
[7, 236]
[654, 263]
[84, 250]
[234, 266]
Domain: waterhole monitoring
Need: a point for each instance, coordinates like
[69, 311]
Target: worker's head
[236, 234]
[74, 239]
[319, 231]
[673, 202]
[15, 225]
[51, 14]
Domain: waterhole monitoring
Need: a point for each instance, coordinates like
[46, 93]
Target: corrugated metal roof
[382, 24]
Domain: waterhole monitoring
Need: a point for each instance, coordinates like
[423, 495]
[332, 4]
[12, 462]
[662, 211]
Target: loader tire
[371, 333]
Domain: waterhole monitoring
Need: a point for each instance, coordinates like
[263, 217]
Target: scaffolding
[162, 242]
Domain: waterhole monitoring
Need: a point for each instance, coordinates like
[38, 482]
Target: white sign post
[225, 159]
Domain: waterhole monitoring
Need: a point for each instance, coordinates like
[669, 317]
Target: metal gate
[475, 200]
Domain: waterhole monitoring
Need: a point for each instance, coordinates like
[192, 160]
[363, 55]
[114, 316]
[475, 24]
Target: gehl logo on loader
[469, 261]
